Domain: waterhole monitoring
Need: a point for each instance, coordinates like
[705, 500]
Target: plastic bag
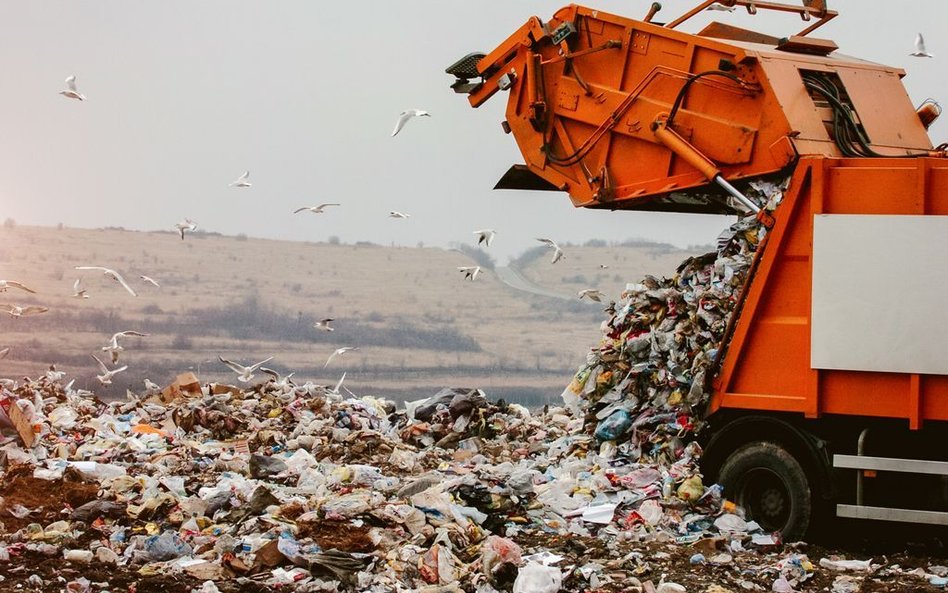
[730, 523]
[262, 466]
[497, 551]
[166, 546]
[843, 564]
[614, 426]
[536, 578]
[63, 418]
[349, 505]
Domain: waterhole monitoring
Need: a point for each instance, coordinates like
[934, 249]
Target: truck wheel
[771, 486]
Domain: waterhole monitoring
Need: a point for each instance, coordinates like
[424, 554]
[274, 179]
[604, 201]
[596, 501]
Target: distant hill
[418, 324]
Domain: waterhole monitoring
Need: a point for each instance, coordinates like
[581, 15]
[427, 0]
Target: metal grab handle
[810, 8]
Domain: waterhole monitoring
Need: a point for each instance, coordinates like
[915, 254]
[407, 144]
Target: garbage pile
[289, 487]
[642, 390]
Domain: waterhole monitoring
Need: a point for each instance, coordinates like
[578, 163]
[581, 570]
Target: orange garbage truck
[830, 391]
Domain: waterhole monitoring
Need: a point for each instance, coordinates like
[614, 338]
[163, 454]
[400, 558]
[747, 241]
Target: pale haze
[183, 97]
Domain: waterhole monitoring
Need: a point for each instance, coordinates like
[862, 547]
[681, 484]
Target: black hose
[691, 79]
[849, 137]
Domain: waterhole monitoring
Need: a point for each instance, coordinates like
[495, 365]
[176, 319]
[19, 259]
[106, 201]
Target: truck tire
[771, 486]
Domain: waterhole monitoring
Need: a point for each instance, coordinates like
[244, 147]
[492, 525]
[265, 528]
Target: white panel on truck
[880, 293]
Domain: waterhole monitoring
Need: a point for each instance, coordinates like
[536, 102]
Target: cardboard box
[21, 423]
[184, 385]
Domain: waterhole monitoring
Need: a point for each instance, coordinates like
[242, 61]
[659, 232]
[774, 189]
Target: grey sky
[184, 96]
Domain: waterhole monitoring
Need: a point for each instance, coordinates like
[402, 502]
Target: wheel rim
[765, 497]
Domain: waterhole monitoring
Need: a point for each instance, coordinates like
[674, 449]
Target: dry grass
[527, 344]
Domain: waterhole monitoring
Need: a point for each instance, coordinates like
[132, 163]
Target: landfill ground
[270, 485]
[898, 554]
[627, 553]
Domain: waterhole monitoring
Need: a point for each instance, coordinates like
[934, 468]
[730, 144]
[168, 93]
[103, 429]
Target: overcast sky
[183, 96]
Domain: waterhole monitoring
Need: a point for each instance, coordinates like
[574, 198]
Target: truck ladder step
[854, 511]
[891, 464]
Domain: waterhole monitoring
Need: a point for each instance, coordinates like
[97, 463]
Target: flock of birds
[245, 373]
[113, 348]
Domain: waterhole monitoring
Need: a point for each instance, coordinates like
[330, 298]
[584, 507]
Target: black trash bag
[262, 466]
[457, 400]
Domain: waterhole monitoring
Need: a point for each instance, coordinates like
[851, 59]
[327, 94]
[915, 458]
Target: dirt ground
[650, 563]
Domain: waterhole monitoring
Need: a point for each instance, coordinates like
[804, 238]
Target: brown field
[418, 325]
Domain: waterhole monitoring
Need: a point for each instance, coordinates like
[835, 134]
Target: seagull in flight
[4, 352]
[111, 274]
[106, 377]
[19, 311]
[339, 351]
[323, 324]
[78, 291]
[314, 209]
[71, 91]
[282, 383]
[187, 225]
[404, 116]
[335, 390]
[721, 7]
[920, 51]
[244, 374]
[485, 236]
[591, 293]
[470, 272]
[150, 280]
[242, 181]
[5, 284]
[557, 252]
[397, 214]
[113, 347]
[603, 266]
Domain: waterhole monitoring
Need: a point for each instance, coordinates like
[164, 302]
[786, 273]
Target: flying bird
[335, 390]
[242, 181]
[5, 284]
[314, 209]
[4, 352]
[20, 311]
[920, 51]
[106, 377]
[339, 351]
[244, 374]
[71, 91]
[150, 280]
[591, 293]
[113, 347]
[470, 272]
[282, 383]
[78, 291]
[485, 236]
[187, 225]
[404, 116]
[557, 252]
[111, 274]
[323, 324]
[721, 7]
[603, 266]
[397, 214]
